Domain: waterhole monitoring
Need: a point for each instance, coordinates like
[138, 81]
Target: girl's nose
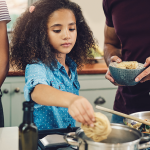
[66, 34]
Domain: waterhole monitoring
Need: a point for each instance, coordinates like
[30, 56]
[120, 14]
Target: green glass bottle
[28, 132]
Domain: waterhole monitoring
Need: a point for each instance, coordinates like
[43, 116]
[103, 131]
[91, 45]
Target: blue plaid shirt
[49, 117]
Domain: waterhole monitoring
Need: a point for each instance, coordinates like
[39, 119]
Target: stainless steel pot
[141, 115]
[121, 138]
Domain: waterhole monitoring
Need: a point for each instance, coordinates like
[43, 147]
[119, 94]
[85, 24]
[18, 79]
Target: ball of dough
[101, 128]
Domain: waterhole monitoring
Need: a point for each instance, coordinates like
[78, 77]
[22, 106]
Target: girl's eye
[71, 29]
[56, 31]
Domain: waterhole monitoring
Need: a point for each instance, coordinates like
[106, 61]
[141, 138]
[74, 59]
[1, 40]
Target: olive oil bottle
[28, 132]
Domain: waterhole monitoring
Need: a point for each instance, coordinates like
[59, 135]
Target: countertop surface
[9, 138]
[96, 68]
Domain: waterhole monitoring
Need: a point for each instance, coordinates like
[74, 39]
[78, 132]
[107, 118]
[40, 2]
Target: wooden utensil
[122, 115]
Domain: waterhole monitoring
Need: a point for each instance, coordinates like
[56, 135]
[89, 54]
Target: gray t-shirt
[4, 14]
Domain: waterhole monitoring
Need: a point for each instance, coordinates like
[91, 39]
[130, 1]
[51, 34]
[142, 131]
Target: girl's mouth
[66, 44]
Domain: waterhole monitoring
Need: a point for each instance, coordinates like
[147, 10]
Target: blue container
[125, 76]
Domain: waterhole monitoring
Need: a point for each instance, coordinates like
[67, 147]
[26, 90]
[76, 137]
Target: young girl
[50, 43]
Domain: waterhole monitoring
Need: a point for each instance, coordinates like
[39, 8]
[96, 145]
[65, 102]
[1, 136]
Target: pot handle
[144, 142]
[72, 139]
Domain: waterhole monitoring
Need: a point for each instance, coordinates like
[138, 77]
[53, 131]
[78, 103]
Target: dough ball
[101, 128]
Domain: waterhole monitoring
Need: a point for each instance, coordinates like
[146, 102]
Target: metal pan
[121, 138]
[141, 115]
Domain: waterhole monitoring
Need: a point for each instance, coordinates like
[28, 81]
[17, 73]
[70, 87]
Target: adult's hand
[82, 111]
[108, 75]
[145, 75]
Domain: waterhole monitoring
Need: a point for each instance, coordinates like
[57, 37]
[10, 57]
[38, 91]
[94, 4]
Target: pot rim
[119, 144]
[113, 145]
[138, 113]
[132, 114]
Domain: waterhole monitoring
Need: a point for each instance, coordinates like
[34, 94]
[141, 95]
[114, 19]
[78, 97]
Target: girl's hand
[108, 75]
[82, 111]
[145, 75]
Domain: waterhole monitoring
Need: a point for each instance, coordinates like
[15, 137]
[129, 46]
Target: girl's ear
[31, 9]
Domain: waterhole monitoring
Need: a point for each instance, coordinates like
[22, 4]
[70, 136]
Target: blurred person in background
[127, 38]
[4, 50]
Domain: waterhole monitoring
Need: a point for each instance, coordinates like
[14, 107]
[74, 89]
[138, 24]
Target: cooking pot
[141, 115]
[121, 138]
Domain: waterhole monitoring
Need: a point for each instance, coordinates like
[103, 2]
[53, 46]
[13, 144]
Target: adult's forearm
[4, 52]
[109, 51]
[112, 45]
[49, 96]
[4, 67]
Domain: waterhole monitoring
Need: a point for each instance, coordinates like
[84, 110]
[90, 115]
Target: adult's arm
[4, 52]
[112, 50]
[112, 45]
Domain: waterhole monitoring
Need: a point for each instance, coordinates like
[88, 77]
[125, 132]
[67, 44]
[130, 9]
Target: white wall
[94, 15]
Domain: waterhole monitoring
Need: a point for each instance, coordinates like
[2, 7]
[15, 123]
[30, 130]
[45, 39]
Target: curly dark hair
[30, 42]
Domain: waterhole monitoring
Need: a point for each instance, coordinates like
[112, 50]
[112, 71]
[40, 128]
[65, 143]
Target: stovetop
[52, 139]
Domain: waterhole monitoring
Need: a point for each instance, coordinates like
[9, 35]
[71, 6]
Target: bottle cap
[28, 106]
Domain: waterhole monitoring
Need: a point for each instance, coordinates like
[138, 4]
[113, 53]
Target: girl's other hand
[82, 111]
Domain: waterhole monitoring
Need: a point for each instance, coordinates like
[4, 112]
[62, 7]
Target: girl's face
[62, 30]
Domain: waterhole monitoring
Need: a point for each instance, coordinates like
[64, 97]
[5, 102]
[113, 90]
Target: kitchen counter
[9, 138]
[96, 68]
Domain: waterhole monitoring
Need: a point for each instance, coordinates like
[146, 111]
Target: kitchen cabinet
[12, 99]
[6, 103]
[91, 87]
